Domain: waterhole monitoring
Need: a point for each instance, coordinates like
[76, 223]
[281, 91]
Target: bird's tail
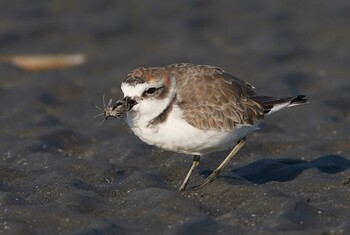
[272, 104]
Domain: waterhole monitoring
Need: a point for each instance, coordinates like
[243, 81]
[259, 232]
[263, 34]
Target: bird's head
[148, 90]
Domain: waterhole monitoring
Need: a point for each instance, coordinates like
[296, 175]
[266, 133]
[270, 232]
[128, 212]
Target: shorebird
[193, 109]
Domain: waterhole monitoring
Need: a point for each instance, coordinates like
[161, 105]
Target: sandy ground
[61, 174]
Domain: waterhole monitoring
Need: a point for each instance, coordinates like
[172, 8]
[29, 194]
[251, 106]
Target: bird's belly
[179, 136]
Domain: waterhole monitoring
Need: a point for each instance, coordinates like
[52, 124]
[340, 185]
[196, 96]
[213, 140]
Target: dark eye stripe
[152, 90]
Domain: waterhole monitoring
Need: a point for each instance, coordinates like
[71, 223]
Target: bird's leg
[195, 163]
[216, 172]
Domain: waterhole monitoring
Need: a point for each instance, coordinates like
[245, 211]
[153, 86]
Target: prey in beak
[114, 110]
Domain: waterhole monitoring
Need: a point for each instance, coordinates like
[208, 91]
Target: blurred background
[54, 157]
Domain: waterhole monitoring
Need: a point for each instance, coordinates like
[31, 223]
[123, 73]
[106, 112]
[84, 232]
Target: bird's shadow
[282, 170]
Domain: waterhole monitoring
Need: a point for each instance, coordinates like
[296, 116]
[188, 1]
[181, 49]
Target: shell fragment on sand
[44, 62]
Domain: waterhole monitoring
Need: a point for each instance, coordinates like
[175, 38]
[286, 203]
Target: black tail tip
[299, 99]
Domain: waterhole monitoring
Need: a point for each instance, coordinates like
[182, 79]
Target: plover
[193, 109]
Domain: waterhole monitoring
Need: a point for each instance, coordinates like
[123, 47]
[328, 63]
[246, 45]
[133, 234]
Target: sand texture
[62, 174]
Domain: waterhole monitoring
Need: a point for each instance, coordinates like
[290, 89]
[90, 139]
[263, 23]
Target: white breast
[175, 134]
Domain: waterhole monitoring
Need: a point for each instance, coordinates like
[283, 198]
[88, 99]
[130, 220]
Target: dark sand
[60, 173]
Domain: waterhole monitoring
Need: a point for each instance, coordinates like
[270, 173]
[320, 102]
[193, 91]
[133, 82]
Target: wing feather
[212, 99]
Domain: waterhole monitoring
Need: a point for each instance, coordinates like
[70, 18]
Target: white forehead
[134, 90]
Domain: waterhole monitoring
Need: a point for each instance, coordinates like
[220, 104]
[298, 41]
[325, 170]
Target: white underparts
[175, 134]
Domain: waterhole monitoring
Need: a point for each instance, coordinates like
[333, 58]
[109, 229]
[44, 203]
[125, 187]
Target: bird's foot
[213, 176]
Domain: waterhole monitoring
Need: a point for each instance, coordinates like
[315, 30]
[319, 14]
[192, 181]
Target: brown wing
[213, 99]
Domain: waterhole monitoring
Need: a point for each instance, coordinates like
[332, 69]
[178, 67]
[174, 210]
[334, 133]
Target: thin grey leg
[195, 163]
[217, 171]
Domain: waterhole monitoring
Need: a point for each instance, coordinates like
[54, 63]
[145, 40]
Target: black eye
[151, 90]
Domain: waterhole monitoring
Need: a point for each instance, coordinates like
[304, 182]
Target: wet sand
[61, 174]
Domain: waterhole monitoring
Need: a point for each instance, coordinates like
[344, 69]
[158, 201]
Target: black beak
[130, 102]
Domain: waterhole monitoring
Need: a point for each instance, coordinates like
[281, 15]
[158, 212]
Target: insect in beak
[117, 110]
